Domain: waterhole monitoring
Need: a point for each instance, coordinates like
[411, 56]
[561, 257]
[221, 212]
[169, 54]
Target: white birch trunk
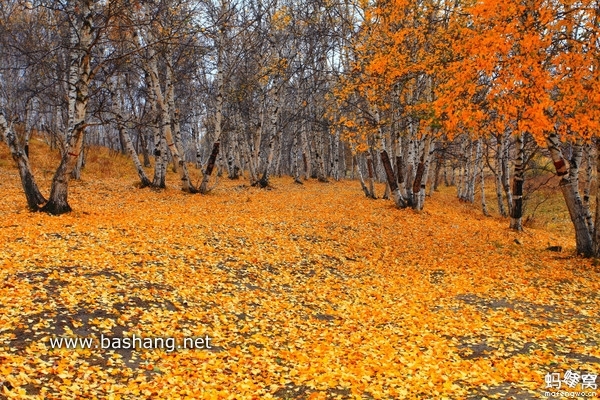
[295, 166]
[570, 190]
[498, 176]
[274, 133]
[306, 155]
[506, 172]
[587, 149]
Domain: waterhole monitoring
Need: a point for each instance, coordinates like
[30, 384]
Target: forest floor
[306, 291]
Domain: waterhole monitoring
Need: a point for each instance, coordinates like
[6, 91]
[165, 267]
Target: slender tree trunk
[235, 160]
[319, 157]
[370, 176]
[306, 156]
[506, 172]
[126, 139]
[210, 165]
[295, 166]
[274, 133]
[411, 172]
[472, 177]
[196, 138]
[498, 176]
[336, 155]
[481, 167]
[159, 179]
[420, 181]
[361, 179]
[596, 239]
[516, 213]
[588, 186]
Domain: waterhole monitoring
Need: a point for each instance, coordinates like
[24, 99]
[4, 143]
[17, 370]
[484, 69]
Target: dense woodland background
[412, 93]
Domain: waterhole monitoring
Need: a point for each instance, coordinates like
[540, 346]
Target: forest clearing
[307, 291]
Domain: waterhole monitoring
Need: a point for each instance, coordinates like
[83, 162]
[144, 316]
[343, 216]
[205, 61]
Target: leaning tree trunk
[569, 186]
[361, 179]
[79, 79]
[32, 193]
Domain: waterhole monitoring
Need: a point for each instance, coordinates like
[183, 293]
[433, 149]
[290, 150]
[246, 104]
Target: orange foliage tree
[438, 69]
[528, 67]
[398, 57]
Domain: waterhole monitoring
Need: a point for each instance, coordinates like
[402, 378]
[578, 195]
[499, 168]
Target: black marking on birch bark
[399, 170]
[560, 167]
[574, 163]
[517, 211]
[389, 172]
[213, 157]
[418, 177]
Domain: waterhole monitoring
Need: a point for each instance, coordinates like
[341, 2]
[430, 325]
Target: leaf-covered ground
[308, 292]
